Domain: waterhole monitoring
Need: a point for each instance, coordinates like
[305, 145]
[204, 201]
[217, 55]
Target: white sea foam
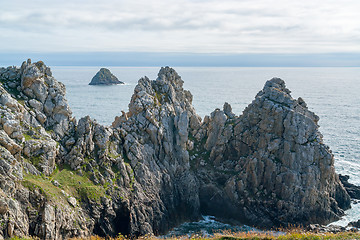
[206, 227]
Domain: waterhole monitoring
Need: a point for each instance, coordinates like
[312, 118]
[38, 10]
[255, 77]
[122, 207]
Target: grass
[226, 235]
[253, 236]
[27, 137]
[22, 238]
[34, 134]
[44, 186]
[288, 236]
[80, 187]
[36, 161]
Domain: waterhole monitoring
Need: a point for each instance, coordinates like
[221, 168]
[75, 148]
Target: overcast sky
[200, 26]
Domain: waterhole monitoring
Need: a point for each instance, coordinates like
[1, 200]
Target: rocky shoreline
[159, 164]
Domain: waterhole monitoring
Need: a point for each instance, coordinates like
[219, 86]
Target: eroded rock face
[159, 164]
[155, 139]
[269, 166]
[28, 149]
[46, 97]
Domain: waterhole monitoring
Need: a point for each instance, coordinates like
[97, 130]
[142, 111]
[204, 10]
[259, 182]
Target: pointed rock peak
[276, 83]
[35, 67]
[168, 74]
[301, 102]
[276, 91]
[163, 94]
[105, 71]
[105, 77]
[33, 72]
[228, 110]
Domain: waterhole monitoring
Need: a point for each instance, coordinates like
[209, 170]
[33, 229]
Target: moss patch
[80, 187]
[44, 185]
[36, 161]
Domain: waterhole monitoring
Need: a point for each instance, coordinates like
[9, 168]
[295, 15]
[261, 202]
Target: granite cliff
[159, 164]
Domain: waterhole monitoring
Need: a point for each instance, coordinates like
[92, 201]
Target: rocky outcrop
[354, 224]
[269, 166]
[159, 164]
[34, 118]
[351, 189]
[104, 77]
[155, 140]
[317, 228]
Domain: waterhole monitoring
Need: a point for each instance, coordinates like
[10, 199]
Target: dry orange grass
[293, 234]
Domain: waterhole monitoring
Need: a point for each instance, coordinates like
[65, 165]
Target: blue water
[332, 93]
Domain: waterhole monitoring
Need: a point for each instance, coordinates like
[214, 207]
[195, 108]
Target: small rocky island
[105, 77]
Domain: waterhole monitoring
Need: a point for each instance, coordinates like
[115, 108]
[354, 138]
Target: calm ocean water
[332, 93]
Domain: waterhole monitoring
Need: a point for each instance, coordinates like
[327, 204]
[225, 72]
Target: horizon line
[185, 59]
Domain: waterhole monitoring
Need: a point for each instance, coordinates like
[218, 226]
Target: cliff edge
[159, 164]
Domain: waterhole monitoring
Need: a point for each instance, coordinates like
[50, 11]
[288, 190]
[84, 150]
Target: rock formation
[351, 189]
[159, 164]
[104, 77]
[269, 166]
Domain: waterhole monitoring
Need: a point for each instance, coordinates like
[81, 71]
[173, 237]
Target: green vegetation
[34, 133]
[21, 238]
[27, 137]
[44, 185]
[239, 236]
[157, 99]
[36, 161]
[80, 187]
[113, 156]
[161, 97]
[198, 150]
[132, 178]
[111, 151]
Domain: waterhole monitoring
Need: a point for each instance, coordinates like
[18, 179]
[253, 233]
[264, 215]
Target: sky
[180, 26]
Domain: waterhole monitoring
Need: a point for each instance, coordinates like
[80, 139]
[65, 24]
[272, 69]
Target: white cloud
[181, 25]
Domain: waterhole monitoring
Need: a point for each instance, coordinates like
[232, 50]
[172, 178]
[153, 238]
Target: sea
[332, 93]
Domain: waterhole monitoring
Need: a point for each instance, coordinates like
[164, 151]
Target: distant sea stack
[104, 77]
